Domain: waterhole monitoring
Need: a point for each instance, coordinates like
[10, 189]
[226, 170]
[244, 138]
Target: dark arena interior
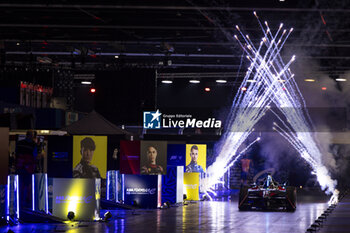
[174, 116]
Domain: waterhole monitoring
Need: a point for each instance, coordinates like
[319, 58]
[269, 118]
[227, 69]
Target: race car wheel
[291, 199]
[243, 193]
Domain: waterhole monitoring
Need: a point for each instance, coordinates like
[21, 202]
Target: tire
[291, 199]
[243, 192]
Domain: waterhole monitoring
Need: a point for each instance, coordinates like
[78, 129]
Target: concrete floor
[214, 216]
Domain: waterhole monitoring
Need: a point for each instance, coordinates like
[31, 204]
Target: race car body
[268, 195]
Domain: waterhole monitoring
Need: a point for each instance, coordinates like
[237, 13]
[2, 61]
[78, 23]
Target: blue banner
[169, 185]
[141, 191]
[176, 154]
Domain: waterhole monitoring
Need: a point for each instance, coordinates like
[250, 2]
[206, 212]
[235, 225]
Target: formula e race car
[267, 196]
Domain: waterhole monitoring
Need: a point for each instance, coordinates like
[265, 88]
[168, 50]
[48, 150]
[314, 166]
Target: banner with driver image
[89, 156]
[153, 160]
[196, 158]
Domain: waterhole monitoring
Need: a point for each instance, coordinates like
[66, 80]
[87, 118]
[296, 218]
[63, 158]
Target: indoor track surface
[207, 216]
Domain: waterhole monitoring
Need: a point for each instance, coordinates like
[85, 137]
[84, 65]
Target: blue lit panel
[12, 208]
[39, 192]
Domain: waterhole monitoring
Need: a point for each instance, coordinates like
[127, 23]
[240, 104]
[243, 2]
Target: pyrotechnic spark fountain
[268, 80]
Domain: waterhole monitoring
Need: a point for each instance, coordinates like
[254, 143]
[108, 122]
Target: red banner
[130, 157]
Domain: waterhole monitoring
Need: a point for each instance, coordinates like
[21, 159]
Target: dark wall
[182, 94]
[4, 155]
[112, 144]
[122, 96]
[49, 118]
[84, 99]
[184, 97]
[10, 94]
[12, 77]
[10, 82]
[60, 156]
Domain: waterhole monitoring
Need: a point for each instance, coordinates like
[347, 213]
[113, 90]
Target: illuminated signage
[81, 196]
[77, 199]
[143, 191]
[191, 186]
[148, 191]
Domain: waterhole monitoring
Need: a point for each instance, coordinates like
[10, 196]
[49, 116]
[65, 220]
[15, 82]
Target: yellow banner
[191, 186]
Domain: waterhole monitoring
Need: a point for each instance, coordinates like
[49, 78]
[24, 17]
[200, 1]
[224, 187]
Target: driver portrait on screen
[193, 166]
[152, 168]
[84, 169]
